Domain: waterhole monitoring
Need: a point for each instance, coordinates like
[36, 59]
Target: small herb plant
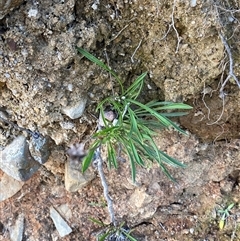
[132, 125]
[127, 125]
[224, 214]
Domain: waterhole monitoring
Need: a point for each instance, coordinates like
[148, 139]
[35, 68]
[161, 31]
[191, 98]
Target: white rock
[60, 224]
[193, 3]
[76, 110]
[32, 13]
[16, 231]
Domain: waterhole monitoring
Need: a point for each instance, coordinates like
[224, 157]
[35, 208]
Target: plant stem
[99, 163]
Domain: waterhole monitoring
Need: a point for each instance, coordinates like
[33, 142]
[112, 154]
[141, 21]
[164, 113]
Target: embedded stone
[75, 110]
[16, 160]
[9, 187]
[40, 148]
[75, 179]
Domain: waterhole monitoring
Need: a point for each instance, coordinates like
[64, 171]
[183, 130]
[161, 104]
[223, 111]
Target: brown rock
[75, 179]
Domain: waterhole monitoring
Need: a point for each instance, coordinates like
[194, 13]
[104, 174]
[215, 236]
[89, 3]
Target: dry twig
[172, 25]
[231, 69]
[99, 163]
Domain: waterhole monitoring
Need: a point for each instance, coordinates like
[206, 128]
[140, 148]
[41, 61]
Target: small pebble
[76, 110]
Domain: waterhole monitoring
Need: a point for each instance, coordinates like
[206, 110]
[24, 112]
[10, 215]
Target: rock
[8, 6]
[139, 198]
[16, 232]
[139, 202]
[75, 179]
[16, 160]
[65, 211]
[75, 110]
[40, 148]
[60, 224]
[9, 187]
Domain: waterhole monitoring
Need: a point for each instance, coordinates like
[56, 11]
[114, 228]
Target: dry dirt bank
[45, 86]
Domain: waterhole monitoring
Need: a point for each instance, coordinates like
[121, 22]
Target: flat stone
[16, 160]
[60, 224]
[16, 231]
[75, 179]
[75, 110]
[40, 148]
[65, 211]
[9, 187]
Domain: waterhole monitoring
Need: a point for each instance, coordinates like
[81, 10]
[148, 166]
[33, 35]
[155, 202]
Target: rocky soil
[47, 88]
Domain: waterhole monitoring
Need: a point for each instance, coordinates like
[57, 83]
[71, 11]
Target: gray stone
[16, 160]
[75, 110]
[75, 179]
[16, 231]
[8, 6]
[9, 187]
[60, 224]
[40, 148]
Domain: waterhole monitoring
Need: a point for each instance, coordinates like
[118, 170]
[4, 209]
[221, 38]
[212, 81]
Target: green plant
[224, 214]
[129, 126]
[110, 232]
[133, 127]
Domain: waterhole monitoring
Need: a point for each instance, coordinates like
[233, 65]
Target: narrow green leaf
[100, 223]
[176, 127]
[105, 132]
[112, 155]
[87, 160]
[173, 106]
[104, 236]
[129, 236]
[132, 163]
[150, 126]
[136, 156]
[166, 114]
[230, 206]
[157, 106]
[151, 104]
[155, 148]
[134, 125]
[170, 160]
[100, 64]
[164, 120]
[147, 151]
[147, 127]
[166, 172]
[174, 114]
[134, 90]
